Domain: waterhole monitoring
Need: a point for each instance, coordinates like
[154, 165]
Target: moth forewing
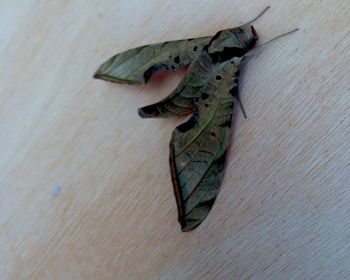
[136, 66]
[198, 148]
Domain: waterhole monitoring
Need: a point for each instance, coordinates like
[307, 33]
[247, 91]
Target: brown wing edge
[176, 185]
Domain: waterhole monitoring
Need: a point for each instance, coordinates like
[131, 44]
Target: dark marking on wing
[234, 92]
[221, 161]
[215, 37]
[204, 95]
[226, 54]
[206, 47]
[189, 124]
[150, 71]
[148, 111]
[227, 123]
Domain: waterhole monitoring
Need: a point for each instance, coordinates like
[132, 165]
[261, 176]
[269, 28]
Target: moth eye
[218, 77]
[177, 59]
[213, 134]
[195, 48]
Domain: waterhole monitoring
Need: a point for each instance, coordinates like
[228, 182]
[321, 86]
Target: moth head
[233, 42]
[247, 36]
[236, 42]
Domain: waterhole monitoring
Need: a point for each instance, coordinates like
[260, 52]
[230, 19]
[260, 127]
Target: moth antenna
[253, 51]
[259, 15]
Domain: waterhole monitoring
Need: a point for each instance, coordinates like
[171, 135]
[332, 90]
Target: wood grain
[284, 206]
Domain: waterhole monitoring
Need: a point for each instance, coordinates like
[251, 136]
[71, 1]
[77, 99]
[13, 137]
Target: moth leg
[235, 94]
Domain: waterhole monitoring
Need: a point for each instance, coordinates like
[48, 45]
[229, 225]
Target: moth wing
[136, 66]
[181, 100]
[198, 150]
[197, 169]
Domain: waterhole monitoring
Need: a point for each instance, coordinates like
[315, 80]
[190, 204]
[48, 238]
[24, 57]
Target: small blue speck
[57, 191]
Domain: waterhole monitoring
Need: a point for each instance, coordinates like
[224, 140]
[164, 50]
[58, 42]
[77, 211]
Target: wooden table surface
[85, 185]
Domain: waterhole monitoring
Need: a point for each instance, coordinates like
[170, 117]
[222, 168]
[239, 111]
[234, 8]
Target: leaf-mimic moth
[208, 91]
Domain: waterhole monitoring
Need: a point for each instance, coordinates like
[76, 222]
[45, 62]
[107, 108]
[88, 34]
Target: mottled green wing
[136, 66]
[198, 148]
[181, 100]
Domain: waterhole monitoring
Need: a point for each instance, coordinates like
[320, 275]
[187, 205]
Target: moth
[208, 91]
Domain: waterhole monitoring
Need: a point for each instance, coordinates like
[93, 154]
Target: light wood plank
[284, 206]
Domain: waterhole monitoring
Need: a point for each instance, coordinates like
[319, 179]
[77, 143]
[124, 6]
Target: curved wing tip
[100, 76]
[96, 75]
[141, 113]
[147, 112]
[188, 226]
[114, 79]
